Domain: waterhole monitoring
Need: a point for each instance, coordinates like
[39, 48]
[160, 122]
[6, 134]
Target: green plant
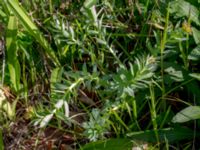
[97, 125]
[43, 120]
[104, 71]
[187, 114]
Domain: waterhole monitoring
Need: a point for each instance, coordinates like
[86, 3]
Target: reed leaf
[21, 14]
[12, 61]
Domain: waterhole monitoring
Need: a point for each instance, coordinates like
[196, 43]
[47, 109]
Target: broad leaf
[196, 35]
[195, 54]
[171, 134]
[111, 144]
[187, 114]
[195, 75]
[183, 8]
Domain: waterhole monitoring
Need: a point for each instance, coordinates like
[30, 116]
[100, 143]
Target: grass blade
[13, 63]
[1, 140]
[32, 28]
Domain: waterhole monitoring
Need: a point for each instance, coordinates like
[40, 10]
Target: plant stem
[50, 6]
[1, 140]
[184, 58]
[163, 42]
[153, 112]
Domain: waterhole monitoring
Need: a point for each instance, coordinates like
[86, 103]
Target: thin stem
[2, 48]
[184, 58]
[50, 7]
[163, 42]
[153, 112]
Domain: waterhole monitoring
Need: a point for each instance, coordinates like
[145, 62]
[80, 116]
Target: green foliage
[31, 27]
[105, 69]
[196, 34]
[182, 8]
[195, 75]
[137, 77]
[117, 144]
[187, 114]
[97, 125]
[171, 134]
[44, 119]
[13, 63]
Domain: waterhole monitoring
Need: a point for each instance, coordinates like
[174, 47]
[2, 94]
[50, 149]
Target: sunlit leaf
[182, 8]
[187, 114]
[195, 54]
[196, 35]
[46, 120]
[89, 3]
[175, 74]
[2, 97]
[56, 75]
[66, 106]
[59, 104]
[195, 75]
